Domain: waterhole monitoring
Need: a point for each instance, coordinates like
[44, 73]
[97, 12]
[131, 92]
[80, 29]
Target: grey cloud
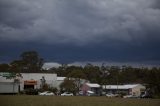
[79, 21]
[16, 13]
[156, 5]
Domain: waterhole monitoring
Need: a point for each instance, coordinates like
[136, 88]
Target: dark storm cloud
[16, 14]
[78, 21]
[98, 29]
[157, 4]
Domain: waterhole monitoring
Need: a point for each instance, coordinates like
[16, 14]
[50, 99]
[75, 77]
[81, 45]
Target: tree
[153, 79]
[54, 90]
[43, 83]
[16, 66]
[32, 61]
[68, 85]
[92, 73]
[76, 76]
[4, 67]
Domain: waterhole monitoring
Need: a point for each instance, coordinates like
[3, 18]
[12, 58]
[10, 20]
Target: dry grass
[24, 100]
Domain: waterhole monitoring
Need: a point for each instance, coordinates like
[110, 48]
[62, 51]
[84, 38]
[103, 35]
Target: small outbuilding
[92, 88]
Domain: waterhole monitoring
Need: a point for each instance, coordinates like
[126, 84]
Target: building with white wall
[129, 89]
[13, 83]
[34, 80]
[7, 83]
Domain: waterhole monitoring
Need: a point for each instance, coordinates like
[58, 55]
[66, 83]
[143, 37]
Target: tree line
[31, 62]
[114, 75]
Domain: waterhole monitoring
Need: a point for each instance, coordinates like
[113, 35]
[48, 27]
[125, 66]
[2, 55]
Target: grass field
[26, 100]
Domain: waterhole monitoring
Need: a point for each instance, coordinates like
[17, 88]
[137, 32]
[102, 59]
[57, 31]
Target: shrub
[31, 91]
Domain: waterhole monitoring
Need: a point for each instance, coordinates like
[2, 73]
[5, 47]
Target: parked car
[49, 93]
[80, 93]
[130, 96]
[90, 93]
[67, 94]
[146, 96]
[111, 95]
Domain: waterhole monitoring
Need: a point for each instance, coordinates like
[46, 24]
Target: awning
[30, 82]
[90, 92]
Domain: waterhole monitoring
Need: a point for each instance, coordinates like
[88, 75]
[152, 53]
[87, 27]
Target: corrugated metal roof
[90, 92]
[93, 85]
[129, 86]
[60, 78]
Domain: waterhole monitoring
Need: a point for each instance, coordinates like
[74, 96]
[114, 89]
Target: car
[67, 94]
[90, 93]
[49, 93]
[111, 95]
[80, 93]
[130, 96]
[146, 96]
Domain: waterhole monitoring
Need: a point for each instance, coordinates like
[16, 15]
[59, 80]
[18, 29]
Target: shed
[91, 87]
[132, 89]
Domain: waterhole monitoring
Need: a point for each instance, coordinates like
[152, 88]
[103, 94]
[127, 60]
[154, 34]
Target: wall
[50, 79]
[8, 87]
[137, 90]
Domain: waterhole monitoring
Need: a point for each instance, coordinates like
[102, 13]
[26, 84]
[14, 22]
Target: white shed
[133, 89]
[33, 80]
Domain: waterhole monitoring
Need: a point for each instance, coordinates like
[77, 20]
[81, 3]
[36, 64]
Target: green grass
[26, 100]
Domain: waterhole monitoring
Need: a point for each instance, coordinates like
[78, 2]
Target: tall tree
[4, 67]
[92, 73]
[76, 76]
[32, 61]
[16, 66]
[68, 85]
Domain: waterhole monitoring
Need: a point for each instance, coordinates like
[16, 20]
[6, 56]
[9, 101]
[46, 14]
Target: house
[90, 88]
[129, 89]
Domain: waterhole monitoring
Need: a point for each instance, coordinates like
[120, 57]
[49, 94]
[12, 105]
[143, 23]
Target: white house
[132, 89]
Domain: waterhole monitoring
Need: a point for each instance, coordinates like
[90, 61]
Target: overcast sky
[69, 31]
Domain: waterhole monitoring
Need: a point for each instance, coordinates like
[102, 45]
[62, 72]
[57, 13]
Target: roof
[93, 85]
[60, 78]
[129, 86]
[90, 92]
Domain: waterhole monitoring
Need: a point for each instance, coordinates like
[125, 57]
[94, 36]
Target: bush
[31, 91]
[54, 90]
